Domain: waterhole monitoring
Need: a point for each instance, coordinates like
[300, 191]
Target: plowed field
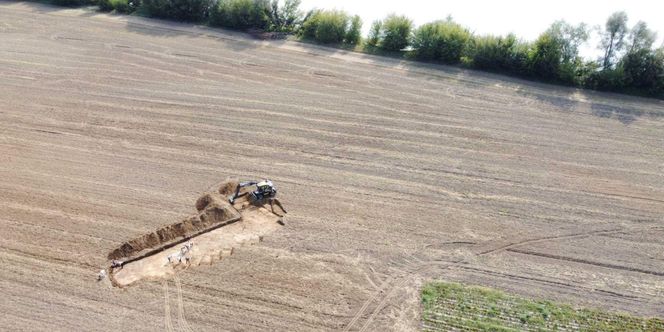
[393, 174]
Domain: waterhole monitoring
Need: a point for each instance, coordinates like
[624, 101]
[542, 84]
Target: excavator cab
[264, 189]
[265, 193]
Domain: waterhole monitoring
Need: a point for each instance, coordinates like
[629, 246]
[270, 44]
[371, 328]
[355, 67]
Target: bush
[106, 5]
[491, 52]
[326, 26]
[354, 33]
[545, 57]
[375, 33]
[395, 32]
[426, 43]
[570, 72]
[443, 41]
[181, 10]
[120, 6]
[642, 69]
[241, 14]
[607, 79]
[286, 18]
[73, 3]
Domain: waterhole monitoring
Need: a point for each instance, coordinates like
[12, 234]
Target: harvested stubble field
[392, 173]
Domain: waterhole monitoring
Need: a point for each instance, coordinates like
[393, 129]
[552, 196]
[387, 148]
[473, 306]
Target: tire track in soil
[308, 70]
[588, 262]
[425, 266]
[544, 281]
[388, 290]
[440, 95]
[182, 321]
[167, 309]
[385, 287]
[552, 238]
[366, 304]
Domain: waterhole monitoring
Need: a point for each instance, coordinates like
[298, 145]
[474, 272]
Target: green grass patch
[452, 306]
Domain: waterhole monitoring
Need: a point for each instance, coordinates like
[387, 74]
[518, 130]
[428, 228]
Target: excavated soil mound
[213, 209]
[207, 248]
[213, 233]
[227, 187]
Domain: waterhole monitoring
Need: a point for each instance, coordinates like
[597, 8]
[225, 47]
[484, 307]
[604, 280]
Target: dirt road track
[393, 174]
[168, 324]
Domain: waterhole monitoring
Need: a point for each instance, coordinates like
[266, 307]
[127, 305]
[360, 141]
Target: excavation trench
[213, 211]
[213, 233]
[180, 240]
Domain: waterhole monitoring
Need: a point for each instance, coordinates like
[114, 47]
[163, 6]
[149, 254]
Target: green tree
[326, 26]
[507, 54]
[611, 79]
[570, 38]
[613, 38]
[640, 37]
[181, 10]
[375, 33]
[395, 32]
[642, 67]
[73, 3]
[354, 32]
[426, 42]
[241, 14]
[286, 18]
[545, 57]
[659, 86]
[444, 41]
[120, 6]
[643, 70]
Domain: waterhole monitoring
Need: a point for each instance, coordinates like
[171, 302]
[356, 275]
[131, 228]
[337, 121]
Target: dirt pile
[212, 234]
[227, 187]
[207, 248]
[213, 210]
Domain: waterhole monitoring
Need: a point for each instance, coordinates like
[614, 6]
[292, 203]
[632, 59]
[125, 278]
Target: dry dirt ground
[392, 174]
[206, 249]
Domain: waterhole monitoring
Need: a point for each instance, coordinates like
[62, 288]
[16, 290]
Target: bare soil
[393, 174]
[207, 249]
[204, 238]
[214, 211]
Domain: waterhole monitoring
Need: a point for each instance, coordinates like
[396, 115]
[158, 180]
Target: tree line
[630, 62]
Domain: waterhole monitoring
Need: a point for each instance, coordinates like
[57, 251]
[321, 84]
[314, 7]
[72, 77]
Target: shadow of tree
[626, 115]
[44, 7]
[235, 40]
[144, 25]
[564, 102]
[622, 111]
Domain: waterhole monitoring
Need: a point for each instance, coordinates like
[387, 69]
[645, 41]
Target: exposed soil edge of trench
[213, 212]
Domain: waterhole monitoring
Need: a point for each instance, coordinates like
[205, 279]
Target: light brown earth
[392, 174]
[208, 248]
[218, 228]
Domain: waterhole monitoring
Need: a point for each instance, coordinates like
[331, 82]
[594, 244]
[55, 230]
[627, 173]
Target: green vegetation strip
[455, 307]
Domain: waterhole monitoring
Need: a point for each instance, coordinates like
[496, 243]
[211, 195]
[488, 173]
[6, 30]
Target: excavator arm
[239, 187]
